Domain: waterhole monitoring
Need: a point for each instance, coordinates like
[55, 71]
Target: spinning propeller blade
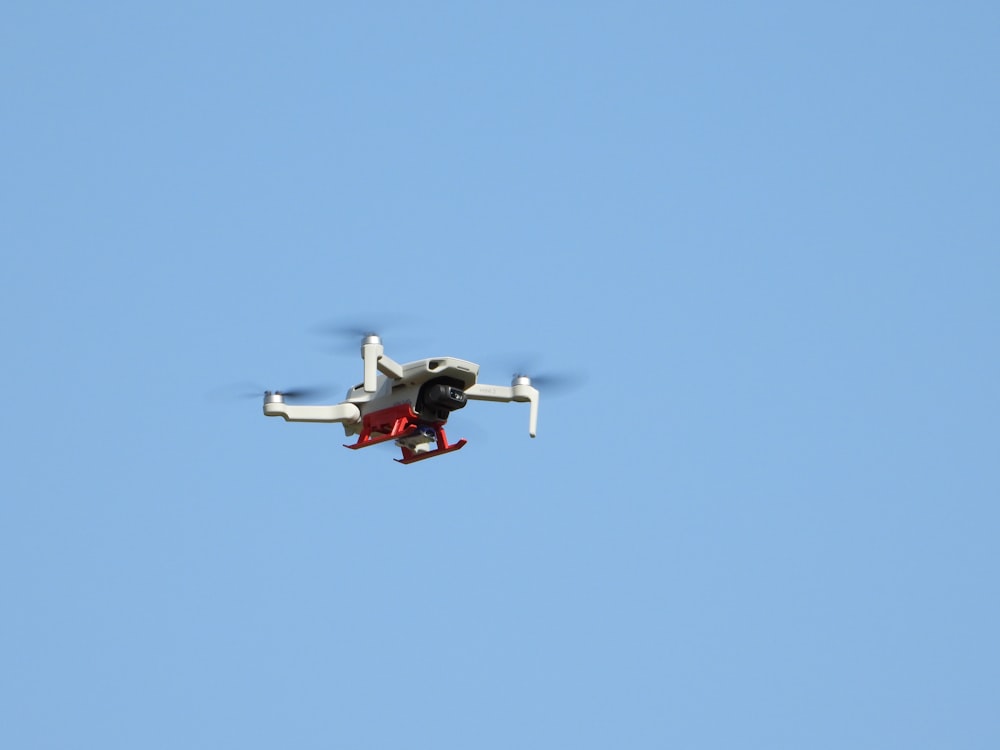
[348, 333]
[527, 364]
[303, 392]
[240, 392]
[548, 381]
[554, 383]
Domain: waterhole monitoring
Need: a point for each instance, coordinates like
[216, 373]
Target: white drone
[408, 404]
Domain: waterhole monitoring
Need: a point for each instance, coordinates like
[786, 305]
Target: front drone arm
[276, 407]
[521, 390]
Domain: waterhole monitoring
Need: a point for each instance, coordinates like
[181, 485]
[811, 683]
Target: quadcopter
[408, 404]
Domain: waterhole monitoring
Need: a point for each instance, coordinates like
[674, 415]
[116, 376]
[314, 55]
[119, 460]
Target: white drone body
[409, 403]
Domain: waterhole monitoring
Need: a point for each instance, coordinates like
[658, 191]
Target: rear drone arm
[375, 359]
[274, 406]
[520, 390]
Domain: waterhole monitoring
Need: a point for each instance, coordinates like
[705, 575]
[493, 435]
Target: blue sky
[763, 235]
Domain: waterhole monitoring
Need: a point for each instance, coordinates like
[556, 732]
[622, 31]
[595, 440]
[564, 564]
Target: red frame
[399, 421]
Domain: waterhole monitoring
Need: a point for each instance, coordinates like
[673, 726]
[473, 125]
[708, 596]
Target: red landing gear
[401, 423]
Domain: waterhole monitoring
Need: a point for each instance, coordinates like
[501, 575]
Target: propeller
[551, 382]
[302, 392]
[554, 382]
[252, 390]
[347, 330]
[348, 333]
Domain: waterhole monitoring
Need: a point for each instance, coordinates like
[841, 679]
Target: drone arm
[390, 367]
[373, 354]
[370, 353]
[346, 413]
[506, 394]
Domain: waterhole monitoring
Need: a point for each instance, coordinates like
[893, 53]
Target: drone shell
[404, 403]
[405, 390]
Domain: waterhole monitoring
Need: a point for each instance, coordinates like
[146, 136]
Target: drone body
[408, 404]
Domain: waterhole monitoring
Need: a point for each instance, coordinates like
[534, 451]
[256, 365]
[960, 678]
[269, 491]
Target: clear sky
[764, 236]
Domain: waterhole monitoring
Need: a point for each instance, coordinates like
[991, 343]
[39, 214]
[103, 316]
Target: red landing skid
[399, 422]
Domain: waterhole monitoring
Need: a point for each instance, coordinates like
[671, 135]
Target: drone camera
[442, 396]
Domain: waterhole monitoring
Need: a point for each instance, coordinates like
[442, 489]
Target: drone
[408, 404]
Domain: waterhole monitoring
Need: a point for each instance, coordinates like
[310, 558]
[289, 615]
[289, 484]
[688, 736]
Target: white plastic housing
[519, 392]
[346, 413]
